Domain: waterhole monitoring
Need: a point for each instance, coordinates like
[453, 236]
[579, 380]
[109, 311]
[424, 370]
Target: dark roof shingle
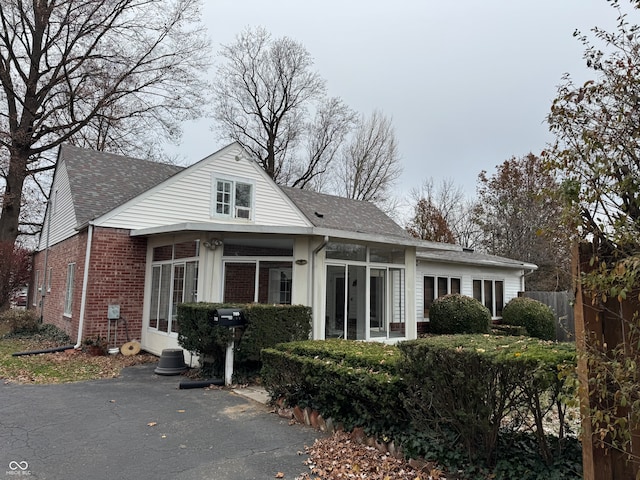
[102, 181]
[329, 211]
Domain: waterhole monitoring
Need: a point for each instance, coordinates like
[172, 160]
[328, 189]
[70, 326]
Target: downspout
[45, 268]
[316, 250]
[85, 282]
[321, 246]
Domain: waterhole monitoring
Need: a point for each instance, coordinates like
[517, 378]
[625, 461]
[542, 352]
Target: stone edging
[312, 418]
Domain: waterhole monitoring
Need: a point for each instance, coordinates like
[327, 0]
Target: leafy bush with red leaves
[15, 270]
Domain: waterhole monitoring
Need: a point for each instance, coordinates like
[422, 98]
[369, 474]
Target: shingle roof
[474, 258]
[332, 212]
[102, 181]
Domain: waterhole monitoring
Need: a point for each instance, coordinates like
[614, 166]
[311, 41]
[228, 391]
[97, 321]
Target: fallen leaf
[279, 475]
[181, 411]
[152, 424]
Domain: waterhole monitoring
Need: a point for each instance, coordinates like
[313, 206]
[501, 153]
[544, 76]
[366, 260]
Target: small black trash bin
[171, 362]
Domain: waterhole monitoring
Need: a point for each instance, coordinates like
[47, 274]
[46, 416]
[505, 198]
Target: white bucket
[114, 350]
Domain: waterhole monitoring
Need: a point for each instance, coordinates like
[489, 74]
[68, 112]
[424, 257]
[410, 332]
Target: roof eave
[513, 265]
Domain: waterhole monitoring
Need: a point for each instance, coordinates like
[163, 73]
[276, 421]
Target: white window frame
[234, 209]
[68, 292]
[436, 290]
[494, 308]
[172, 302]
[49, 274]
[276, 292]
[37, 292]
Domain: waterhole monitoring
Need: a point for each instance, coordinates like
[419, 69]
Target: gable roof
[339, 213]
[101, 181]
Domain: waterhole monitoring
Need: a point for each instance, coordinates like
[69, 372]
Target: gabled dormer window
[232, 198]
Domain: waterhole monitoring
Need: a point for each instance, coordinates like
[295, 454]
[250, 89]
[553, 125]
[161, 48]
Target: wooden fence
[597, 327]
[562, 305]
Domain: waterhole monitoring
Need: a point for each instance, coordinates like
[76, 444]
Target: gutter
[316, 250]
[85, 282]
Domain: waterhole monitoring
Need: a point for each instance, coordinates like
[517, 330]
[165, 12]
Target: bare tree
[264, 90]
[370, 162]
[100, 73]
[325, 135]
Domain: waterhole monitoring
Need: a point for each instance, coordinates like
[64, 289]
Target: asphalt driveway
[142, 426]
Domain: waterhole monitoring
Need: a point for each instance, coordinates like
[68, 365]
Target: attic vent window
[319, 215]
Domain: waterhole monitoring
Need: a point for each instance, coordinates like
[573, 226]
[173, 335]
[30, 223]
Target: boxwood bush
[354, 383]
[458, 314]
[536, 317]
[458, 399]
[471, 384]
[267, 325]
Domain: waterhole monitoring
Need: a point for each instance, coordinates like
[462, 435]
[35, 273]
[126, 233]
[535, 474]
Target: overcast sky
[468, 83]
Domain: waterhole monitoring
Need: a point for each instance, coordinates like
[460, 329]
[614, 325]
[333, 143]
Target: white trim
[68, 291]
[85, 282]
[233, 180]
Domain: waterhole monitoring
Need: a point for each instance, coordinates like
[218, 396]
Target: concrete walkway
[142, 426]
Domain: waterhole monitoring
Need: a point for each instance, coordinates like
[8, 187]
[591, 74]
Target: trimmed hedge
[457, 313]
[354, 383]
[455, 398]
[470, 384]
[267, 326]
[535, 316]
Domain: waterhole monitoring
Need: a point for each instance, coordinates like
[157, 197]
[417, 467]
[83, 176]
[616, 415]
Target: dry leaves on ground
[338, 457]
[66, 366]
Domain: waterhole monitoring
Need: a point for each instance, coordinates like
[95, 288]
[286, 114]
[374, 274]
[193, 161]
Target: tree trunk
[12, 200]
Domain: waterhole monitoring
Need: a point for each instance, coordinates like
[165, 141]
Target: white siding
[186, 197]
[467, 274]
[60, 219]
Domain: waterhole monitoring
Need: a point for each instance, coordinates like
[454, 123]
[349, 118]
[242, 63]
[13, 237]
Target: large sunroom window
[174, 280]
[365, 292]
[258, 271]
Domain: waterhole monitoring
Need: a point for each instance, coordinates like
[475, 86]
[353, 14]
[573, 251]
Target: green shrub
[446, 397]
[267, 325]
[20, 321]
[51, 333]
[351, 383]
[508, 330]
[470, 384]
[531, 314]
[200, 335]
[458, 314]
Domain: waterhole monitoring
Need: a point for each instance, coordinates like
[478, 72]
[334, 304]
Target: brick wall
[239, 282]
[116, 277]
[50, 303]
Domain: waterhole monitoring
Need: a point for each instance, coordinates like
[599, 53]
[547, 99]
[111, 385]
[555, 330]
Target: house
[126, 240]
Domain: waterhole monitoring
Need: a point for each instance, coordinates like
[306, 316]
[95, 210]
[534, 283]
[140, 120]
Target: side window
[232, 198]
[68, 294]
[436, 287]
[491, 294]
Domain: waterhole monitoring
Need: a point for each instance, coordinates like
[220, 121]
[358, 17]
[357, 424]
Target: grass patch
[59, 367]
